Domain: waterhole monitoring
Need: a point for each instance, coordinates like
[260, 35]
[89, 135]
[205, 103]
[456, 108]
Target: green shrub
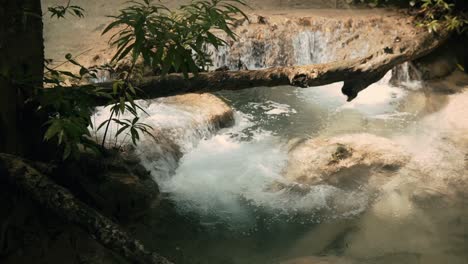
[163, 38]
[433, 14]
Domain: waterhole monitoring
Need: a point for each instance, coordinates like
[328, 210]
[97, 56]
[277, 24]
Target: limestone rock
[210, 107]
[173, 120]
[438, 64]
[343, 161]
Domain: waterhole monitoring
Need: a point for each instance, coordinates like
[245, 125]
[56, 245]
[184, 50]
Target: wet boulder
[177, 124]
[209, 107]
[344, 161]
[115, 183]
[171, 119]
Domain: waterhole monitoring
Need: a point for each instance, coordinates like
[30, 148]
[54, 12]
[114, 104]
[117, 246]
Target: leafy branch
[60, 11]
[168, 40]
[434, 14]
[164, 40]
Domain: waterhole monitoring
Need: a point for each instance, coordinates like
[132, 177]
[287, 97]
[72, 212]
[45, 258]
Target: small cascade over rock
[178, 123]
[270, 41]
[406, 75]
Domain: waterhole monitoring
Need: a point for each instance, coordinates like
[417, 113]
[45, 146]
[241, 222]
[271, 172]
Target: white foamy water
[186, 127]
[232, 180]
[230, 173]
[226, 177]
[273, 108]
[379, 100]
[177, 127]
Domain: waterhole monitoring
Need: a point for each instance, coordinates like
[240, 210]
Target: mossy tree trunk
[21, 71]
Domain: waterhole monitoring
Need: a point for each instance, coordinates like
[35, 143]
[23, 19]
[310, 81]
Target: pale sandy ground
[82, 37]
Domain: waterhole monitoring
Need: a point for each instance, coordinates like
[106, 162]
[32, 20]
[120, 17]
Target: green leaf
[122, 129]
[123, 52]
[122, 104]
[103, 124]
[53, 129]
[83, 71]
[67, 151]
[69, 74]
[460, 67]
[132, 89]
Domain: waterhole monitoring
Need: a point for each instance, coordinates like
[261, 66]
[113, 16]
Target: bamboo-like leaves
[173, 41]
[60, 11]
[167, 41]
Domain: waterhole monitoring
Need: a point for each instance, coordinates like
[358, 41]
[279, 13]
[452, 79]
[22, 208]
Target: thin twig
[65, 62]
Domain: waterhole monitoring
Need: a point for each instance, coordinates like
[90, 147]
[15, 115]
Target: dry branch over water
[357, 74]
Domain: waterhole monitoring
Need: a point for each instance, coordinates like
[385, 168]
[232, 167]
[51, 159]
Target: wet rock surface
[171, 118]
[178, 123]
[211, 108]
[350, 160]
[117, 185]
[270, 40]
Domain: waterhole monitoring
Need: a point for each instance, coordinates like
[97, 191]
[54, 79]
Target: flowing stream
[226, 195]
[223, 205]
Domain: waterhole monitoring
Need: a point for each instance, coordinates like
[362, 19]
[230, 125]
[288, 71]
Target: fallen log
[60, 201]
[357, 74]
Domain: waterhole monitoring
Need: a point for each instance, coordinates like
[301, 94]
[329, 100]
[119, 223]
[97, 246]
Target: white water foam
[177, 130]
[227, 177]
[379, 100]
[274, 108]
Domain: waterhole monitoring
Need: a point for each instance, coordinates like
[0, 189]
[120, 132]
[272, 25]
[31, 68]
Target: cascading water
[231, 183]
[295, 41]
[230, 191]
[241, 165]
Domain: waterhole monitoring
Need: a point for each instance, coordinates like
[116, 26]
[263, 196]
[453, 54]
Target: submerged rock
[343, 161]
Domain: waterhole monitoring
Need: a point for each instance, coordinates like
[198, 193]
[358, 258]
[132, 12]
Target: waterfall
[178, 123]
[226, 174]
[406, 75]
[293, 42]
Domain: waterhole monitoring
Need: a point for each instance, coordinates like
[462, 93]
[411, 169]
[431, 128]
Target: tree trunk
[21, 74]
[61, 202]
[21, 70]
[357, 74]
